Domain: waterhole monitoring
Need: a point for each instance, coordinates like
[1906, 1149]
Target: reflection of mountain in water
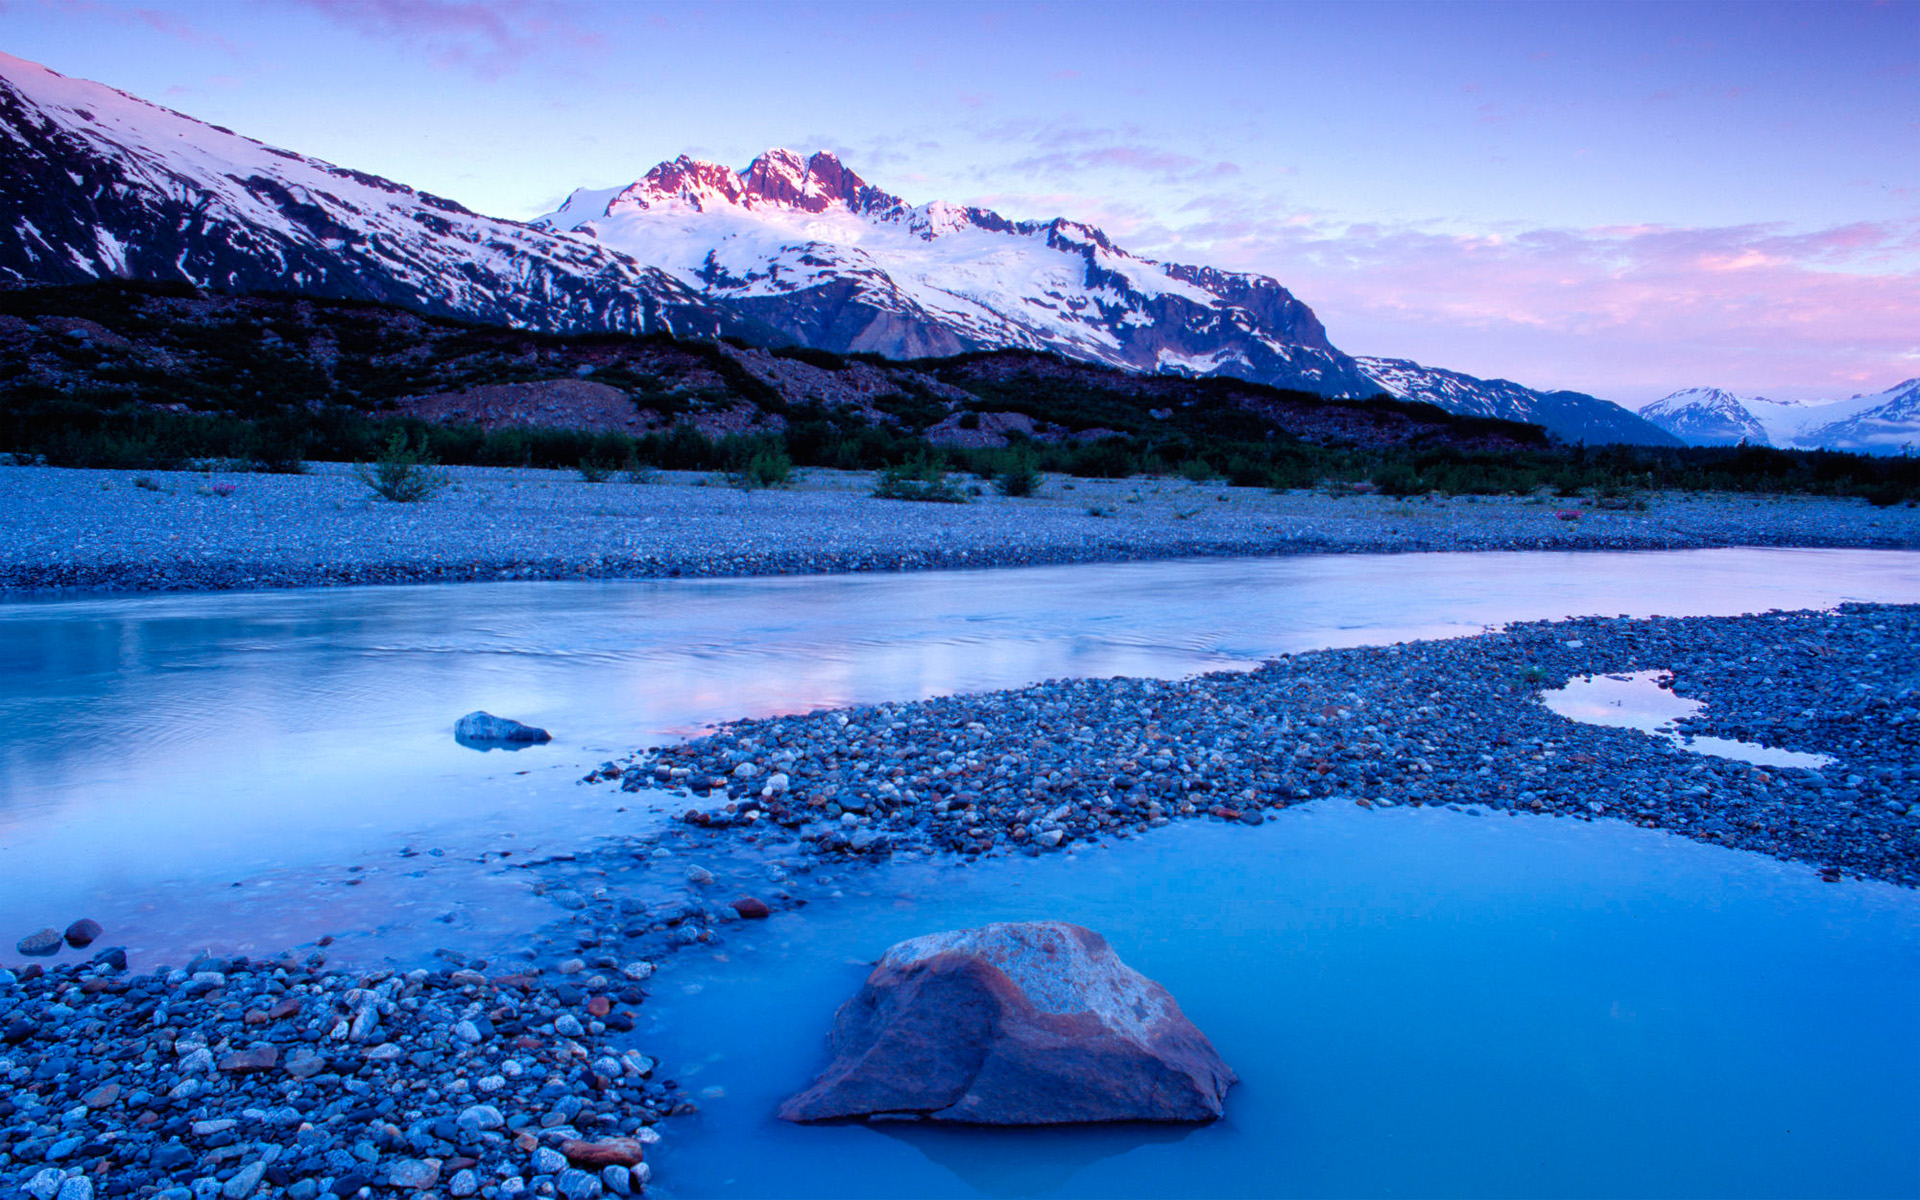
[1001, 1161]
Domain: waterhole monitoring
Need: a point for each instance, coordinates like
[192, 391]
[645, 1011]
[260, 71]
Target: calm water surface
[1421, 1002]
[156, 750]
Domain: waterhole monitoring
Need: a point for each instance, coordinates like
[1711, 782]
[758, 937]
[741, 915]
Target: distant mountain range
[1572, 416]
[1885, 422]
[95, 184]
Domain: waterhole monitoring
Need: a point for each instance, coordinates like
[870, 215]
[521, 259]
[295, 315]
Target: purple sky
[1625, 199]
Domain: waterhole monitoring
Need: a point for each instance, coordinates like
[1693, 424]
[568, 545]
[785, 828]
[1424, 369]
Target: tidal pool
[1418, 1002]
[209, 769]
[1642, 700]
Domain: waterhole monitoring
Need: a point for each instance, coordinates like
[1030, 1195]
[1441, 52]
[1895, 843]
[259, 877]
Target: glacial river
[1421, 1002]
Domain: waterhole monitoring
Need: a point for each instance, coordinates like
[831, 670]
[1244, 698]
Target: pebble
[40, 943]
[81, 933]
[58, 529]
[115, 1084]
[1455, 722]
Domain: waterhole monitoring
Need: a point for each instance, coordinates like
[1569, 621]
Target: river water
[156, 751]
[1420, 1002]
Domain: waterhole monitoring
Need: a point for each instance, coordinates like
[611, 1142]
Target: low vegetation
[152, 377]
[403, 473]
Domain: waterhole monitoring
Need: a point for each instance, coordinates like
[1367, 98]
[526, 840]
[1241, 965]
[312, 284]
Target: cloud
[490, 38]
[1626, 312]
[159, 20]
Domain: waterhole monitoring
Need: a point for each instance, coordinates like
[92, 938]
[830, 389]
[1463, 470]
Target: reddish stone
[752, 908]
[599, 1006]
[284, 1008]
[254, 1058]
[1022, 1024]
[613, 1152]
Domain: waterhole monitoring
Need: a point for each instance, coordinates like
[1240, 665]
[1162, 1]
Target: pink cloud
[160, 20]
[490, 38]
[1628, 312]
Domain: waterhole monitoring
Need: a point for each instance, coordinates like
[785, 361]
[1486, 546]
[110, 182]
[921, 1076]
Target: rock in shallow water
[1033, 1023]
[39, 945]
[483, 728]
[81, 933]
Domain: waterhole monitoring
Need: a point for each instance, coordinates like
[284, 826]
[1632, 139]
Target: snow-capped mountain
[95, 183]
[1886, 422]
[808, 247]
[1571, 416]
[1707, 417]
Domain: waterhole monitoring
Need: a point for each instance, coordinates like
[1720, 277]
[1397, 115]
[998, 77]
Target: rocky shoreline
[226, 1076]
[465, 1078]
[1457, 723]
[108, 531]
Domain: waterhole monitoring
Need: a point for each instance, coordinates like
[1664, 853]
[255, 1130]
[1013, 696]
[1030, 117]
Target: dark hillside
[150, 375]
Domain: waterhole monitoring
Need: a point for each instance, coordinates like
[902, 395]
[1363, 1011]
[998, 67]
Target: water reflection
[194, 740]
[1644, 700]
[1417, 1002]
[1026, 1162]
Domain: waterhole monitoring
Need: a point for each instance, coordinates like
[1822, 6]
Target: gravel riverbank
[100, 530]
[226, 1076]
[1455, 722]
[464, 1078]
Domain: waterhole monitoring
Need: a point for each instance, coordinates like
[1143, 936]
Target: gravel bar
[1457, 722]
[99, 530]
[233, 1079]
[226, 1078]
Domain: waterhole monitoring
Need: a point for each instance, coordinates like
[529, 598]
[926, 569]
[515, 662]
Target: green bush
[403, 474]
[1018, 479]
[921, 479]
[762, 466]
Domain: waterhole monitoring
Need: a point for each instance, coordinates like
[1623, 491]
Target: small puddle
[1642, 701]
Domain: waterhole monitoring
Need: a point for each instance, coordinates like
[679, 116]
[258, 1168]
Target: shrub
[1019, 479]
[758, 462]
[402, 473]
[594, 472]
[921, 479]
[636, 471]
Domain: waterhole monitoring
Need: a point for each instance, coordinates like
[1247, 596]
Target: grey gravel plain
[100, 530]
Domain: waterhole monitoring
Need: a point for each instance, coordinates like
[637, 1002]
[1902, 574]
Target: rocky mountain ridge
[1570, 416]
[808, 247]
[792, 250]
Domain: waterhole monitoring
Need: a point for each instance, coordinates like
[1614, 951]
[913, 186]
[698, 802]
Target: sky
[1622, 199]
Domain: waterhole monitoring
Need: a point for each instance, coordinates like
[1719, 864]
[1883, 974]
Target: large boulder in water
[485, 729]
[1036, 1023]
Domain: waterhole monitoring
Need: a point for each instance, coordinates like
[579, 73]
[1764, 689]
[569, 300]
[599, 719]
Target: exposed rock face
[485, 728]
[549, 403]
[1034, 1023]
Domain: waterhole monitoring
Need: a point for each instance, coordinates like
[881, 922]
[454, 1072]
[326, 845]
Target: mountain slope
[95, 183]
[1570, 416]
[811, 249]
[1706, 417]
[1885, 422]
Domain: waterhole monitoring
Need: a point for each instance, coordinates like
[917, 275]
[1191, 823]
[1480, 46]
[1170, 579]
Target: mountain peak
[778, 178]
[811, 185]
